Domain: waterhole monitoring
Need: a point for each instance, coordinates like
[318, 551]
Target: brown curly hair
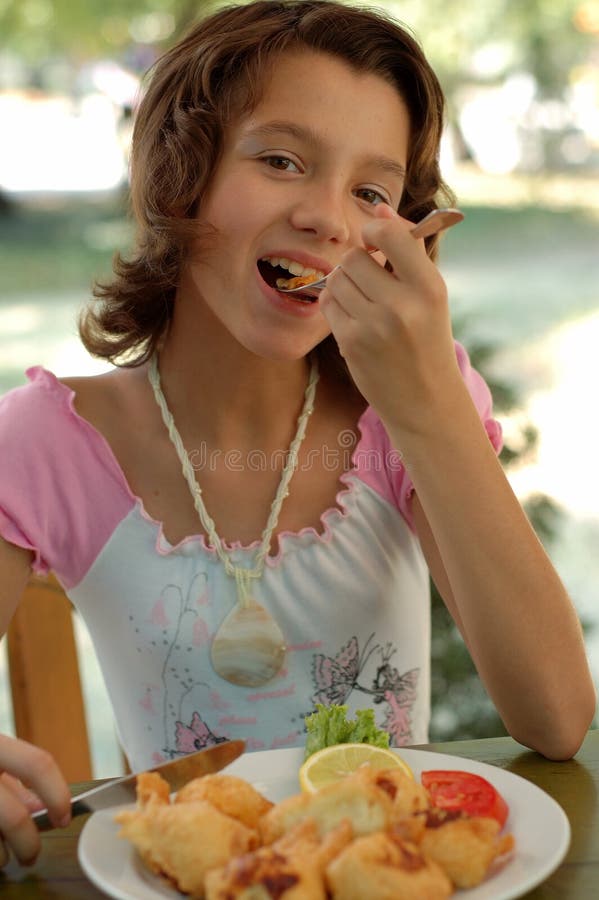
[215, 73]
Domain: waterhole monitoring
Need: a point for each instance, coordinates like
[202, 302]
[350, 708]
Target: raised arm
[30, 778]
[394, 331]
[514, 613]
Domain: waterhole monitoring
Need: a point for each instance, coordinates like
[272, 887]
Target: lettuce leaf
[329, 725]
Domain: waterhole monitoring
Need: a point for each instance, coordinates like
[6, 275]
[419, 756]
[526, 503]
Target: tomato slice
[455, 790]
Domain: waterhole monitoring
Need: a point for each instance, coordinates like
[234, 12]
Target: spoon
[437, 220]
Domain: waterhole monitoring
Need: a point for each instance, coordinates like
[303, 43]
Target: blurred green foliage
[461, 707]
[56, 244]
[467, 40]
[40, 29]
[544, 37]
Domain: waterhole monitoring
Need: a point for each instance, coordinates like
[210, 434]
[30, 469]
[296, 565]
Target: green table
[574, 784]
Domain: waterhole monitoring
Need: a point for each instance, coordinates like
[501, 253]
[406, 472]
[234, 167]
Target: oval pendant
[249, 648]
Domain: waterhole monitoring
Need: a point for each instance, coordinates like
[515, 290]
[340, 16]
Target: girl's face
[298, 179]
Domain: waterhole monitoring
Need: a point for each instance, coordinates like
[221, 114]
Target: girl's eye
[371, 196]
[281, 163]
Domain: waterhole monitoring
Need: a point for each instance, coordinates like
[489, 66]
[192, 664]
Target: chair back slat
[48, 704]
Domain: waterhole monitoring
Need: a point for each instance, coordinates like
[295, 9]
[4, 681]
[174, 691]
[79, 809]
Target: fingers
[22, 793]
[355, 281]
[363, 277]
[369, 306]
[343, 293]
[391, 234]
[31, 780]
[38, 770]
[357, 285]
[18, 831]
[337, 318]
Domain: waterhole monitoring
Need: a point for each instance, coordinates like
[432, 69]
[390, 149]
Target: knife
[123, 790]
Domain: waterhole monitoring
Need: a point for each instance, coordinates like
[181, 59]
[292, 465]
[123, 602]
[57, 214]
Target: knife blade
[177, 772]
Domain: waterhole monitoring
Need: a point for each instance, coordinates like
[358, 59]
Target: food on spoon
[287, 273]
[455, 790]
[297, 281]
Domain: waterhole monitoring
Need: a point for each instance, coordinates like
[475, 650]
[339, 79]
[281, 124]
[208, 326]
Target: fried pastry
[407, 796]
[290, 869]
[373, 834]
[283, 817]
[366, 806]
[383, 866]
[151, 788]
[182, 841]
[463, 846]
[233, 796]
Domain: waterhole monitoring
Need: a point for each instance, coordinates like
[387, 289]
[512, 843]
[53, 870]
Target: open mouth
[284, 273]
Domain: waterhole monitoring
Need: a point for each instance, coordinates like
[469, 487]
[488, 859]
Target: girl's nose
[322, 213]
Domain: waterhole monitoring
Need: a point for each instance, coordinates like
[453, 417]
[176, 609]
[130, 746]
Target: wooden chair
[44, 676]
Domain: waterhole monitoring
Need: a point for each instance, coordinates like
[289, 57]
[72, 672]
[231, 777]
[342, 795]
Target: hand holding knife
[122, 790]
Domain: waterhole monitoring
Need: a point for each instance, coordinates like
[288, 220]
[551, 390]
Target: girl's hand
[30, 780]
[393, 328]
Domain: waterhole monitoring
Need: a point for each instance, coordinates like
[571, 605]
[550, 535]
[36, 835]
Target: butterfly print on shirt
[195, 736]
[335, 678]
[388, 680]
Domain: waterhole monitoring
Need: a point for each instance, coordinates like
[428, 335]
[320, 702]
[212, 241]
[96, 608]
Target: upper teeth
[292, 266]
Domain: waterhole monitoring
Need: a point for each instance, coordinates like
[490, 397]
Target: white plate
[539, 825]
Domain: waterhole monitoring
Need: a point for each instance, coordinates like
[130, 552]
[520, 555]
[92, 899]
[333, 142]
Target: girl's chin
[280, 348]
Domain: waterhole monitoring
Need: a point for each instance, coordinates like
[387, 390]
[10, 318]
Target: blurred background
[521, 151]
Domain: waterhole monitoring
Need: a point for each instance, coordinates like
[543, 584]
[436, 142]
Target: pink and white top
[352, 600]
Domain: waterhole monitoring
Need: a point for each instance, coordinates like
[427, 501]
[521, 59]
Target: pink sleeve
[380, 466]
[62, 493]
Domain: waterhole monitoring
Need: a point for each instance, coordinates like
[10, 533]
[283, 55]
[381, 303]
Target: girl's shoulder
[40, 406]
[117, 389]
[118, 405]
[64, 493]
[48, 405]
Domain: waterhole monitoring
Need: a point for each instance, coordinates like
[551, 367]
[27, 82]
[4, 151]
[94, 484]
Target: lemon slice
[333, 763]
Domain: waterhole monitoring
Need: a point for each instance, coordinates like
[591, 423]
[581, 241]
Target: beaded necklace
[249, 647]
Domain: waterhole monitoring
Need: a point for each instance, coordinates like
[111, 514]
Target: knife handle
[42, 819]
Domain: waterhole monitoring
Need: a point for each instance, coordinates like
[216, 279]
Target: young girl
[246, 510]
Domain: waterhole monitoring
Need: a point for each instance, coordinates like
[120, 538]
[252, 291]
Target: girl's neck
[229, 394]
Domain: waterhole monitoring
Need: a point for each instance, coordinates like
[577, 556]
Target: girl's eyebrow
[309, 136]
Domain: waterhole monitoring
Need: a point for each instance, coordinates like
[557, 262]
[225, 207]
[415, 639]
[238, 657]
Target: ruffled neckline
[328, 518]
